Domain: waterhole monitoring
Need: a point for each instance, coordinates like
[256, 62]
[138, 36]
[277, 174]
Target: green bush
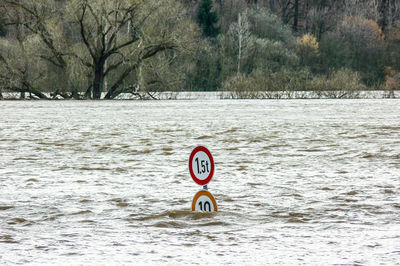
[356, 43]
[284, 80]
[343, 83]
[264, 43]
[267, 25]
[241, 87]
[334, 53]
[204, 73]
[272, 55]
[266, 84]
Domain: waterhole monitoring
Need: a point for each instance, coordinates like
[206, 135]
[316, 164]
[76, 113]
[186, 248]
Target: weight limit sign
[201, 165]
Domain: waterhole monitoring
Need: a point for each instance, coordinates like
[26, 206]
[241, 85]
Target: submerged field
[296, 182]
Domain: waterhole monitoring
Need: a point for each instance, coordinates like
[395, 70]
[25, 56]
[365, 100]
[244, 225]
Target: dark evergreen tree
[208, 19]
[3, 31]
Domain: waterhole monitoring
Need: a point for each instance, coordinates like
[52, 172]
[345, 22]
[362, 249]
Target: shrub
[307, 49]
[266, 84]
[343, 83]
[273, 56]
[334, 53]
[284, 80]
[241, 87]
[356, 43]
[267, 25]
[392, 81]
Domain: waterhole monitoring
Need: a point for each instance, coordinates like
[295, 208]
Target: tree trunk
[97, 86]
[296, 16]
[383, 12]
[75, 94]
[34, 91]
[115, 88]
[239, 44]
[98, 79]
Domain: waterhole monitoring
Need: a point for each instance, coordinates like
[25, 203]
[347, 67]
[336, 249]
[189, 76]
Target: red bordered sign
[201, 165]
[204, 201]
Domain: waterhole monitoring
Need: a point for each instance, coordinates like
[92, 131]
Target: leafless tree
[119, 35]
[98, 44]
[40, 24]
[240, 33]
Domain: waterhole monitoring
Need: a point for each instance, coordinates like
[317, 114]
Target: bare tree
[320, 19]
[21, 71]
[229, 10]
[117, 37]
[98, 45]
[240, 33]
[41, 22]
[292, 12]
[390, 16]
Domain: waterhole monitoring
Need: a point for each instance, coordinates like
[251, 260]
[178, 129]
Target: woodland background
[93, 49]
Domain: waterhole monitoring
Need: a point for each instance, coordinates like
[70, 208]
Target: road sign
[201, 165]
[204, 201]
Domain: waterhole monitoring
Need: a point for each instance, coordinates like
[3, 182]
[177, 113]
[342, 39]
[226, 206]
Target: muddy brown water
[296, 181]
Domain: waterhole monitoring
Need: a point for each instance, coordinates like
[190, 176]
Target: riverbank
[214, 95]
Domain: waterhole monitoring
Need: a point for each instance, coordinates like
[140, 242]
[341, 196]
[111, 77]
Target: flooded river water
[107, 182]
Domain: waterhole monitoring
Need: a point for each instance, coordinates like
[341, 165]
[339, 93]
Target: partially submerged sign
[204, 201]
[201, 168]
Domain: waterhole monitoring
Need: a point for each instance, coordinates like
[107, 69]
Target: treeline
[92, 49]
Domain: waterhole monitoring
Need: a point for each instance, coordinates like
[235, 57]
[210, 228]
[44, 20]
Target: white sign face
[201, 165]
[204, 201]
[204, 204]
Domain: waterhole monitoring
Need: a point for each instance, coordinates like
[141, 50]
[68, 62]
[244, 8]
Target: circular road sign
[201, 165]
[204, 201]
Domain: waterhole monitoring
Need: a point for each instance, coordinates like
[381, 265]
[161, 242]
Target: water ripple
[89, 182]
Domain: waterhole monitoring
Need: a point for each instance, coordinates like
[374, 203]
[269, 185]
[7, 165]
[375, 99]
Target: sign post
[201, 168]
